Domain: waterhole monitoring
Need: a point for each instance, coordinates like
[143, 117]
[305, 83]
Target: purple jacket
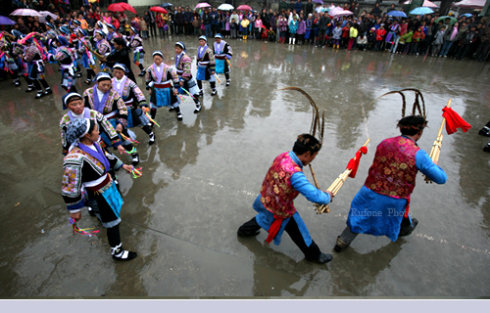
[301, 27]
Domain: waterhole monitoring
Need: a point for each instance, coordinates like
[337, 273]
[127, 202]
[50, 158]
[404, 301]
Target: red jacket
[380, 33]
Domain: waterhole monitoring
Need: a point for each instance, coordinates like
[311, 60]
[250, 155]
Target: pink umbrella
[333, 11]
[244, 7]
[344, 13]
[25, 12]
[426, 4]
[203, 5]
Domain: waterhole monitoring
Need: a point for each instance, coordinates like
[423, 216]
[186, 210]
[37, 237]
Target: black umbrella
[166, 5]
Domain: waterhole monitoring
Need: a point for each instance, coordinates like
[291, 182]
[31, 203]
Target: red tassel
[454, 121]
[274, 229]
[354, 162]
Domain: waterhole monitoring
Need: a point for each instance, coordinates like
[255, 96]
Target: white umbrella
[470, 4]
[25, 12]
[45, 14]
[225, 7]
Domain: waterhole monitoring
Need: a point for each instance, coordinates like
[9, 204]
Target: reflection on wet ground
[202, 176]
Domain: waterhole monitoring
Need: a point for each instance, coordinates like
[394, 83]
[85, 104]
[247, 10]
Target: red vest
[277, 194]
[393, 170]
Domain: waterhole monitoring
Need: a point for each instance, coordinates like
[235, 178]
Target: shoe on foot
[30, 88]
[405, 231]
[201, 93]
[322, 258]
[214, 92]
[198, 108]
[16, 83]
[135, 159]
[227, 82]
[485, 131]
[78, 75]
[39, 94]
[91, 211]
[88, 81]
[119, 254]
[179, 116]
[48, 91]
[340, 245]
[142, 73]
[242, 233]
[487, 147]
[171, 109]
[152, 138]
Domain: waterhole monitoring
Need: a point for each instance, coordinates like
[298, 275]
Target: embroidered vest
[393, 170]
[277, 194]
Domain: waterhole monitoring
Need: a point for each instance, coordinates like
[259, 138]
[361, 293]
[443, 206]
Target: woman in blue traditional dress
[102, 98]
[86, 167]
[162, 83]
[205, 66]
[222, 53]
[133, 97]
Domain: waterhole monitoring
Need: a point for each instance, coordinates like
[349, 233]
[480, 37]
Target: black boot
[485, 131]
[199, 84]
[142, 69]
[322, 258]
[119, 254]
[48, 91]
[135, 159]
[147, 129]
[213, 89]
[407, 228]
[198, 107]
[249, 229]
[179, 114]
[153, 114]
[487, 147]
[340, 245]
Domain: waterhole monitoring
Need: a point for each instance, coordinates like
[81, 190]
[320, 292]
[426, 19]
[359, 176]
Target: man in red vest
[282, 184]
[380, 208]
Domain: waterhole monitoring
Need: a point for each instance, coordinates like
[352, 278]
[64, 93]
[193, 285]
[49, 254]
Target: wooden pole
[336, 185]
[437, 145]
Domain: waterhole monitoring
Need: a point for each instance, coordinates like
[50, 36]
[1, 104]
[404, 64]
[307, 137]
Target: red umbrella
[116, 7]
[128, 7]
[159, 10]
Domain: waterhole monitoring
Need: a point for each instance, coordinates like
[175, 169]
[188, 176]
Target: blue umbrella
[396, 14]
[6, 21]
[166, 5]
[467, 15]
[318, 1]
[421, 11]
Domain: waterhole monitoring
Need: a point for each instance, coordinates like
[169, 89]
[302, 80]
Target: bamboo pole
[336, 185]
[435, 152]
[314, 176]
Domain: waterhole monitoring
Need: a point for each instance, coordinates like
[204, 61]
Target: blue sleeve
[313, 194]
[428, 168]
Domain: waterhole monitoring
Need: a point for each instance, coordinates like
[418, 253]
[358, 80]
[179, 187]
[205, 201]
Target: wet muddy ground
[202, 175]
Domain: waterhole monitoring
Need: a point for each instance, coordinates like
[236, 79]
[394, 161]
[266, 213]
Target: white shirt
[100, 94]
[118, 83]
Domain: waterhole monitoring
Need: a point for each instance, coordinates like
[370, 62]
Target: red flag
[454, 121]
